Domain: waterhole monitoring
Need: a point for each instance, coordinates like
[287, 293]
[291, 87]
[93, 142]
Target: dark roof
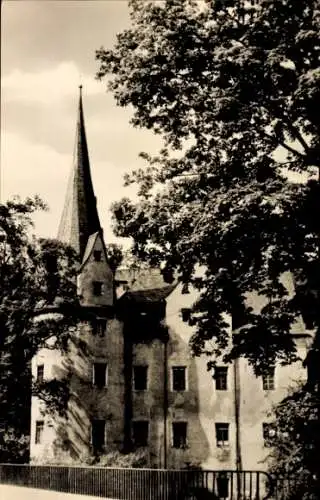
[150, 295]
[142, 278]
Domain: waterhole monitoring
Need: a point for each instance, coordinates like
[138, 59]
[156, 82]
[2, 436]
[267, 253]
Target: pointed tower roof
[80, 216]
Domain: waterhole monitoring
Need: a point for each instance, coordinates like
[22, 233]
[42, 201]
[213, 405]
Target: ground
[20, 493]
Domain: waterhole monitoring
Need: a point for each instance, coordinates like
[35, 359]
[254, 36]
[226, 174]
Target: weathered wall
[95, 271]
[149, 404]
[44, 451]
[212, 406]
[256, 404]
[181, 406]
[69, 440]
[200, 405]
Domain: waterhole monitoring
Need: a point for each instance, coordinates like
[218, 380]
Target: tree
[294, 444]
[114, 256]
[232, 88]
[36, 276]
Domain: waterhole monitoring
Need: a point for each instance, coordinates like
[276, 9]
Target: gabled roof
[90, 246]
[80, 216]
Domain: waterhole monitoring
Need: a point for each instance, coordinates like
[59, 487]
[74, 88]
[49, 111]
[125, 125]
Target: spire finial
[80, 89]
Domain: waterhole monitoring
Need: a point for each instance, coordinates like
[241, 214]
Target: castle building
[134, 384]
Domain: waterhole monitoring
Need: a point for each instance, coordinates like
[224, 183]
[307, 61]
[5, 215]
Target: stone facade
[69, 439]
[133, 381]
[199, 403]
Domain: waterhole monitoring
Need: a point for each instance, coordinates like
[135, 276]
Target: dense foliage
[233, 88]
[36, 275]
[294, 444]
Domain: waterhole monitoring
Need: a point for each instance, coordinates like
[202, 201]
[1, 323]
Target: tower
[93, 364]
[80, 217]
[80, 226]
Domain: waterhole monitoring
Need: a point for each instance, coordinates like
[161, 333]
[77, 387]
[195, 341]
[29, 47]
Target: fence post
[223, 485]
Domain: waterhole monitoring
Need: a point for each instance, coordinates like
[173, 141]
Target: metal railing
[142, 484]
[286, 488]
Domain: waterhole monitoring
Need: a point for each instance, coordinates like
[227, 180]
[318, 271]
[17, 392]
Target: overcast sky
[48, 48]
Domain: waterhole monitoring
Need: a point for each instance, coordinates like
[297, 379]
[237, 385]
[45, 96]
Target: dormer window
[97, 255]
[97, 288]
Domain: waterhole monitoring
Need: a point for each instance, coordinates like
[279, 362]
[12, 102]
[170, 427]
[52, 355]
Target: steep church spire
[80, 216]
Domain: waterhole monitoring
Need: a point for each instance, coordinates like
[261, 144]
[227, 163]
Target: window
[221, 378]
[98, 434]
[185, 289]
[185, 313]
[39, 431]
[97, 254]
[140, 378]
[40, 373]
[140, 433]
[99, 326]
[268, 379]
[178, 378]
[268, 432]
[179, 434]
[97, 288]
[100, 374]
[222, 434]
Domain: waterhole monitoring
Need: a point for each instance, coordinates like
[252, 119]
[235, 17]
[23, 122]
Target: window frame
[268, 379]
[185, 314]
[99, 326]
[39, 430]
[174, 370]
[222, 441]
[101, 446]
[95, 290]
[97, 255]
[40, 373]
[182, 436]
[221, 381]
[94, 374]
[136, 368]
[145, 442]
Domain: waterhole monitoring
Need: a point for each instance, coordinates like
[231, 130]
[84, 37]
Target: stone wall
[200, 405]
[69, 439]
